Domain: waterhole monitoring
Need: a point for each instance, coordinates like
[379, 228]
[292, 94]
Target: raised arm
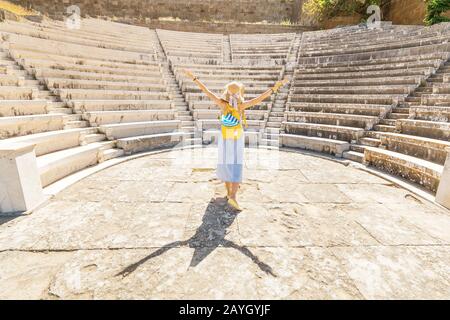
[264, 96]
[202, 87]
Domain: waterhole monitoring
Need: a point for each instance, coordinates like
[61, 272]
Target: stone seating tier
[366, 74]
[382, 54]
[11, 108]
[430, 129]
[31, 56]
[11, 80]
[18, 93]
[38, 45]
[357, 90]
[322, 145]
[337, 119]
[422, 58]
[57, 165]
[407, 80]
[51, 141]
[430, 113]
[356, 99]
[335, 132]
[26, 31]
[151, 142]
[236, 67]
[25, 125]
[378, 34]
[371, 67]
[103, 85]
[422, 172]
[126, 130]
[420, 147]
[140, 70]
[436, 99]
[81, 106]
[362, 109]
[79, 94]
[98, 118]
[76, 75]
[311, 51]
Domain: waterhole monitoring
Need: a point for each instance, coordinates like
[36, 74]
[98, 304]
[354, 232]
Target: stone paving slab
[159, 227]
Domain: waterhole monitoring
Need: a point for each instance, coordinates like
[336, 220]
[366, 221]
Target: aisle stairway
[271, 135]
[182, 108]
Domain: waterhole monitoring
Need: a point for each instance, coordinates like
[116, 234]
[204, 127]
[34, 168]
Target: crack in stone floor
[159, 227]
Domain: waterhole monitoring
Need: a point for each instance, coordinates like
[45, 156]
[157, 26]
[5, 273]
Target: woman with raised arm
[231, 140]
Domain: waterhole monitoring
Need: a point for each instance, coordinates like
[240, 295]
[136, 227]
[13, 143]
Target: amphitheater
[107, 151]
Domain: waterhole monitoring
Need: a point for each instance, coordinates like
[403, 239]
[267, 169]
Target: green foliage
[434, 10]
[329, 8]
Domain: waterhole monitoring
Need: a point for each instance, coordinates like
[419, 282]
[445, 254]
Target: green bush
[322, 9]
[434, 10]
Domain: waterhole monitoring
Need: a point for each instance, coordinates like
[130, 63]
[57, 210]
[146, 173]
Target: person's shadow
[211, 234]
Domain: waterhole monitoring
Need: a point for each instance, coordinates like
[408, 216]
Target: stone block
[20, 184]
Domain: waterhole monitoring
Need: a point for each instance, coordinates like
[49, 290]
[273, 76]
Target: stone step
[372, 134]
[354, 156]
[357, 148]
[372, 142]
[109, 154]
[277, 113]
[396, 116]
[76, 124]
[271, 136]
[384, 128]
[270, 142]
[53, 110]
[275, 119]
[72, 117]
[389, 122]
[274, 124]
[412, 99]
[402, 110]
[93, 137]
[187, 128]
[184, 117]
[187, 123]
[273, 130]
[193, 141]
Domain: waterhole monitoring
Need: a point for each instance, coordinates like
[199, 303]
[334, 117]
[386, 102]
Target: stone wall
[216, 27]
[193, 10]
[406, 11]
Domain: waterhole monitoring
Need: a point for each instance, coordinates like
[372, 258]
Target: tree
[434, 10]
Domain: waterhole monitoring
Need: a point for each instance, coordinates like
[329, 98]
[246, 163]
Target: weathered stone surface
[159, 227]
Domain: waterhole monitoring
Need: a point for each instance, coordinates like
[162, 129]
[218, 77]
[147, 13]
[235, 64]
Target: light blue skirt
[231, 159]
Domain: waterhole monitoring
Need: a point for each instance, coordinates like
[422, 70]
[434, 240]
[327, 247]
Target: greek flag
[229, 120]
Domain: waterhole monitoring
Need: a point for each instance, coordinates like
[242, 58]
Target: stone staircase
[271, 134]
[226, 48]
[180, 104]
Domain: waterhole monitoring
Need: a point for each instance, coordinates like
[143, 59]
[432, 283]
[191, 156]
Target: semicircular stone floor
[158, 227]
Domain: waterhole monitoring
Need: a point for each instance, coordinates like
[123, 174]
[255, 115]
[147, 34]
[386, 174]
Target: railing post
[443, 193]
[20, 182]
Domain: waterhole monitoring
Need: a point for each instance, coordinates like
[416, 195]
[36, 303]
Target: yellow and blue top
[231, 123]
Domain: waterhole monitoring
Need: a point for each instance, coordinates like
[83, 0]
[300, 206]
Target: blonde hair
[241, 91]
